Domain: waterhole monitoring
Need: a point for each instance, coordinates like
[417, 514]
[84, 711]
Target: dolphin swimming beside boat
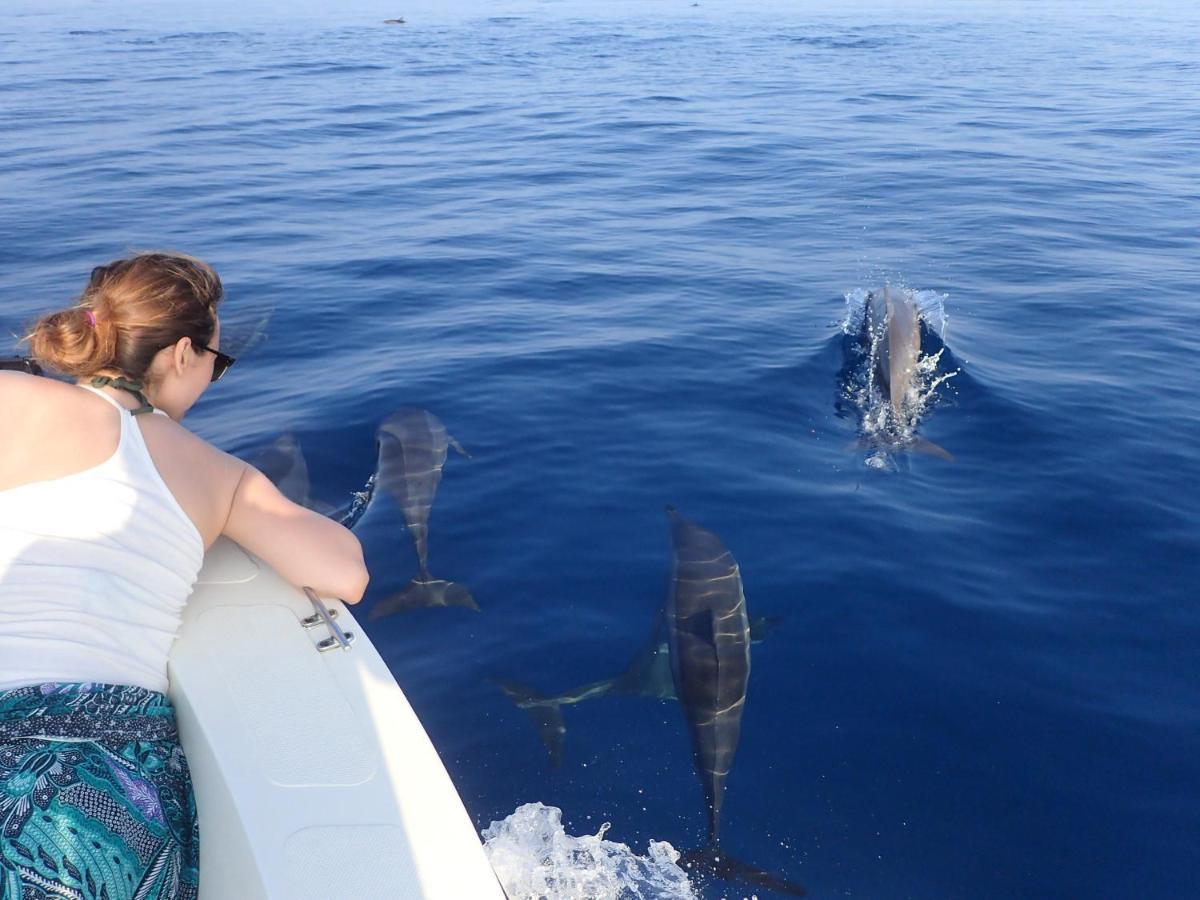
[891, 336]
[647, 675]
[413, 445]
[709, 636]
[284, 464]
[715, 861]
[699, 654]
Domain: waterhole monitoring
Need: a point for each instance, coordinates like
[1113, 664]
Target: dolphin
[702, 640]
[891, 333]
[893, 323]
[714, 861]
[648, 674]
[245, 329]
[709, 636]
[284, 464]
[412, 450]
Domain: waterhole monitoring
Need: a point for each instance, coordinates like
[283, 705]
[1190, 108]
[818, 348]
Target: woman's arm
[304, 547]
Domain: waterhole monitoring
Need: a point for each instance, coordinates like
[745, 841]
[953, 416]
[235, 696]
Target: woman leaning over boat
[107, 504]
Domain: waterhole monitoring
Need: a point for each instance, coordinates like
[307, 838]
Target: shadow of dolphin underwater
[413, 445]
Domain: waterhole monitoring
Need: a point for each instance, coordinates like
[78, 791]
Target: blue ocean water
[610, 246]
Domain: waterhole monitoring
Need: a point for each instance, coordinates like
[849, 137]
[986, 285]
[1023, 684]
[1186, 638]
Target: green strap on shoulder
[124, 384]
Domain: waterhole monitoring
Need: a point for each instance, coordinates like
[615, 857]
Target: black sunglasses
[221, 366]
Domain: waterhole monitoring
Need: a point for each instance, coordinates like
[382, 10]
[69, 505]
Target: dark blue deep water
[610, 246]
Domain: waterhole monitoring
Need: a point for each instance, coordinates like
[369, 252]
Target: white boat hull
[313, 776]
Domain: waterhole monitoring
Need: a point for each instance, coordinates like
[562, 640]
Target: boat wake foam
[535, 858]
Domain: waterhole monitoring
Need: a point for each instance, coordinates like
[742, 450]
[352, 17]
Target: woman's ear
[179, 355]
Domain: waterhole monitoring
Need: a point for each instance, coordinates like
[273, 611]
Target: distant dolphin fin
[929, 448]
[546, 714]
[457, 446]
[424, 591]
[717, 862]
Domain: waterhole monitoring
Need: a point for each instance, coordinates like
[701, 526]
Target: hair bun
[69, 342]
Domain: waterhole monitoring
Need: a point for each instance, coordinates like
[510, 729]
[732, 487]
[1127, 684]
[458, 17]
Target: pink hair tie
[91, 317]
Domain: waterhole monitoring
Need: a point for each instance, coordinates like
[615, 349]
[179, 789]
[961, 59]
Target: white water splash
[535, 859]
[884, 428]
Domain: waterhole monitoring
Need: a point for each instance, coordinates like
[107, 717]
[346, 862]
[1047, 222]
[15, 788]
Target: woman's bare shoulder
[203, 478]
[186, 445]
[22, 395]
[19, 387]
[13, 382]
[12, 393]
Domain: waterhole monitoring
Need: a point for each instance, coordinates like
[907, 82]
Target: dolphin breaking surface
[894, 346]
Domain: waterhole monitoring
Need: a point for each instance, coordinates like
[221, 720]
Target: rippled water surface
[610, 247]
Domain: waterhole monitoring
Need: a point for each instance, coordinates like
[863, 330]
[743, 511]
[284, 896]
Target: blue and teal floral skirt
[95, 797]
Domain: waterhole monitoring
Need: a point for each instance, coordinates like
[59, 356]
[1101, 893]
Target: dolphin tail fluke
[546, 715]
[424, 591]
[929, 448]
[716, 861]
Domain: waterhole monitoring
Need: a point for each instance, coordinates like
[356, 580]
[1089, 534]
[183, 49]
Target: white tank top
[95, 568]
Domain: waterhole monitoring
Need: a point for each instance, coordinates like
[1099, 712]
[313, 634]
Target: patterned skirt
[95, 797]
